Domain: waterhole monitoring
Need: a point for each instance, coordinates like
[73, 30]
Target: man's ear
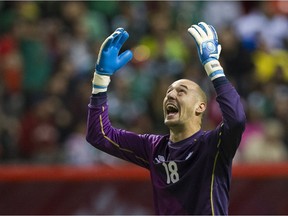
[200, 108]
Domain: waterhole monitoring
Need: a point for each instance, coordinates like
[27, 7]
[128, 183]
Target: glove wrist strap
[214, 69]
[100, 83]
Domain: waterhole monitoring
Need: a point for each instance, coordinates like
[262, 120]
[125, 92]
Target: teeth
[171, 108]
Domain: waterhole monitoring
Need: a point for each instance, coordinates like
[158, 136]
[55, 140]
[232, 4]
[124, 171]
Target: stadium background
[47, 56]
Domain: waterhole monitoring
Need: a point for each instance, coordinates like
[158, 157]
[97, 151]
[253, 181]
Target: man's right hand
[208, 47]
[109, 60]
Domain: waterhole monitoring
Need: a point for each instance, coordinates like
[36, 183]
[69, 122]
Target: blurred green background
[48, 51]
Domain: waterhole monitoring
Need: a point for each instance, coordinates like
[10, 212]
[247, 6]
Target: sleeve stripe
[99, 86]
[213, 173]
[116, 144]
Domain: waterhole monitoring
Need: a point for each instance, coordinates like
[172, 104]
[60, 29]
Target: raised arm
[100, 133]
[234, 118]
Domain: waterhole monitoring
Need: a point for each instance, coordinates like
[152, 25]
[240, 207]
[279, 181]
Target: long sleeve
[120, 143]
[234, 119]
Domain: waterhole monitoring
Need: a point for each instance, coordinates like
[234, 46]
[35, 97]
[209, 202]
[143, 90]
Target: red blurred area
[126, 189]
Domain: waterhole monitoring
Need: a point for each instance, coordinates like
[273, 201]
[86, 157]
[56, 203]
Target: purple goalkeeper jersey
[188, 177]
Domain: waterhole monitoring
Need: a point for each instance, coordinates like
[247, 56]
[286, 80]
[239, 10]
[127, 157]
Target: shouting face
[183, 104]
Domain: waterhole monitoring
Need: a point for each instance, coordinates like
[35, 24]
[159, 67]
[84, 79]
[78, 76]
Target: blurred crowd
[48, 51]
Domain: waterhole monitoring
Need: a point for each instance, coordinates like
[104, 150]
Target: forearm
[230, 103]
[98, 99]
[233, 116]
[96, 107]
[219, 82]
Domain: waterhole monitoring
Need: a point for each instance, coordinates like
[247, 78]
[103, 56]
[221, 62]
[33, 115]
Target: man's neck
[177, 135]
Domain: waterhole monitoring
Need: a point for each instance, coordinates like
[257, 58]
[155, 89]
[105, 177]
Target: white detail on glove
[100, 83]
[214, 69]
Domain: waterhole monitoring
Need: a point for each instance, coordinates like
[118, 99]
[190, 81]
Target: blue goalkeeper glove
[109, 60]
[208, 48]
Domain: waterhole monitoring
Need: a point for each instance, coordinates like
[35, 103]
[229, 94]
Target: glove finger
[105, 46]
[201, 31]
[124, 58]
[208, 31]
[107, 43]
[195, 34]
[116, 33]
[117, 36]
[215, 36]
[219, 47]
[119, 29]
[122, 39]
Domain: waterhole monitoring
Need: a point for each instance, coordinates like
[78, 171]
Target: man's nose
[171, 94]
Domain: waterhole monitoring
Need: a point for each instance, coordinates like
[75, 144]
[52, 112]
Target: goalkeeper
[190, 168]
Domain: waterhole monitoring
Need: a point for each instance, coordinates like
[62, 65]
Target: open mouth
[171, 109]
